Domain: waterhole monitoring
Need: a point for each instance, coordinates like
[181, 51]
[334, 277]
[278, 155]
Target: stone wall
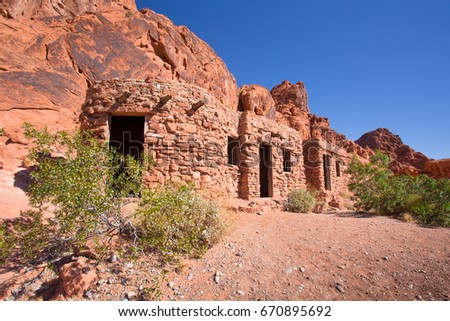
[187, 132]
[257, 130]
[187, 144]
[314, 152]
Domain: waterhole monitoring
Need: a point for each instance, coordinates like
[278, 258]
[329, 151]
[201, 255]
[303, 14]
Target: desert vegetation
[78, 189]
[300, 201]
[174, 218]
[377, 189]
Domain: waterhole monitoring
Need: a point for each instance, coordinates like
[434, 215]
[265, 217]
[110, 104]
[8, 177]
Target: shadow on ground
[354, 215]
[23, 178]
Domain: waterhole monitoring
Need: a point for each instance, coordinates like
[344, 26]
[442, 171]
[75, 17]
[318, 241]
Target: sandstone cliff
[54, 8]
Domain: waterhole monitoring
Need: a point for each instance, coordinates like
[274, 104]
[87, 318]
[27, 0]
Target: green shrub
[429, 200]
[7, 242]
[376, 189]
[300, 201]
[80, 183]
[175, 219]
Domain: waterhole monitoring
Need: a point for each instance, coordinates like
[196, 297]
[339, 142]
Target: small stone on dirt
[131, 295]
[113, 258]
[340, 288]
[88, 295]
[217, 276]
[240, 292]
[290, 270]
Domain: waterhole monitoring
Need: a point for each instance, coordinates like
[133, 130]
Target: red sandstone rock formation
[292, 108]
[46, 64]
[257, 99]
[405, 159]
[48, 8]
[438, 168]
[292, 98]
[77, 277]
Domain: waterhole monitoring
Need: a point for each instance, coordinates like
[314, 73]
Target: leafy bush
[175, 219]
[429, 200]
[300, 201]
[80, 183]
[376, 189]
[6, 243]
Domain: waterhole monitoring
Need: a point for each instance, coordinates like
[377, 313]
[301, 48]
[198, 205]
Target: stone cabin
[259, 149]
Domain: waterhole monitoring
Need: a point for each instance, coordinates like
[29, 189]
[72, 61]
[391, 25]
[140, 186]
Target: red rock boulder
[257, 99]
[77, 277]
[290, 99]
[438, 168]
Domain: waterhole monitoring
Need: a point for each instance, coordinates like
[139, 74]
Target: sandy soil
[275, 255]
[347, 256]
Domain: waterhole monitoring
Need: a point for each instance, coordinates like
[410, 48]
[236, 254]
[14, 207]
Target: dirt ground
[346, 256]
[275, 255]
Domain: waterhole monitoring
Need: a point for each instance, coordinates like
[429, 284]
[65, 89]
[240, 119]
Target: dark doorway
[127, 135]
[265, 170]
[327, 171]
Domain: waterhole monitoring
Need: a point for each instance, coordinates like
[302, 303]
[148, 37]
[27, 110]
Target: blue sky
[366, 64]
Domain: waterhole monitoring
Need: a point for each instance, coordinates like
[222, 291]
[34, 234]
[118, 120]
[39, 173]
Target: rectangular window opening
[338, 169]
[233, 151]
[287, 161]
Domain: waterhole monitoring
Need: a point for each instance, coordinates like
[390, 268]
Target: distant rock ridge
[405, 159]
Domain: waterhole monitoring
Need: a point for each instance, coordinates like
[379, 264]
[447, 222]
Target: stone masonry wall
[187, 131]
[187, 144]
[314, 152]
[257, 130]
